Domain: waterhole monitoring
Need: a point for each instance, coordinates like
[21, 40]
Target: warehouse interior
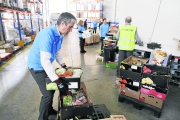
[156, 21]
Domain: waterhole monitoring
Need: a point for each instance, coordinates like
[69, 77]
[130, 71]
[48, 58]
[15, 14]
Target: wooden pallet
[5, 56]
[139, 105]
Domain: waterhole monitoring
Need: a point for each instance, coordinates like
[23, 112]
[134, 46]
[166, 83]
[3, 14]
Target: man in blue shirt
[95, 26]
[104, 29]
[45, 49]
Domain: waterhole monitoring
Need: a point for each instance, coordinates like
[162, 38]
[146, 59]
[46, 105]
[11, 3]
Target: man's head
[66, 22]
[86, 20]
[104, 21]
[128, 19]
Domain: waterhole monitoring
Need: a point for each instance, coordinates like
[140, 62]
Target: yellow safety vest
[127, 37]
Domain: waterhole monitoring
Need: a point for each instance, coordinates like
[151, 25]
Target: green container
[111, 66]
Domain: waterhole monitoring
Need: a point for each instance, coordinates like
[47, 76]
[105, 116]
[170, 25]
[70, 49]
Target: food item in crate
[122, 67]
[77, 72]
[147, 81]
[146, 70]
[72, 70]
[60, 71]
[164, 54]
[123, 80]
[67, 101]
[66, 74]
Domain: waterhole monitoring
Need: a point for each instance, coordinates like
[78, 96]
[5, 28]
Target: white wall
[168, 23]
[144, 14]
[109, 10]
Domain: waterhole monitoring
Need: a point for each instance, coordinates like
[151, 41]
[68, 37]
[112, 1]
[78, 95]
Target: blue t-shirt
[80, 28]
[95, 24]
[104, 28]
[47, 40]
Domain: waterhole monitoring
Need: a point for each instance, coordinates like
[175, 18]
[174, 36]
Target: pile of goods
[158, 57]
[61, 72]
[74, 97]
[122, 67]
[147, 81]
[135, 62]
[146, 70]
[164, 54]
[121, 81]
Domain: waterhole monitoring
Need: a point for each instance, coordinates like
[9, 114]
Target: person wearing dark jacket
[82, 41]
[85, 24]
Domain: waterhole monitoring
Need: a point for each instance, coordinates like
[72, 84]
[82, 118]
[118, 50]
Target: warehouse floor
[20, 95]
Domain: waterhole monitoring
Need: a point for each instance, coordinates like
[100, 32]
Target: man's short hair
[104, 19]
[128, 20]
[67, 18]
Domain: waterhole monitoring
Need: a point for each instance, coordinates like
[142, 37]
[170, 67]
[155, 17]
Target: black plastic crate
[131, 75]
[83, 111]
[159, 80]
[153, 46]
[100, 112]
[130, 84]
[160, 70]
[132, 67]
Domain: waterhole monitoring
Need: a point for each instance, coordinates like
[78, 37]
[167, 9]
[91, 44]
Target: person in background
[82, 41]
[126, 35]
[45, 49]
[85, 24]
[95, 26]
[104, 29]
[100, 23]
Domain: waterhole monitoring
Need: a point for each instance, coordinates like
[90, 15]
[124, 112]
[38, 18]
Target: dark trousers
[85, 27]
[82, 41]
[47, 98]
[123, 54]
[102, 38]
[94, 30]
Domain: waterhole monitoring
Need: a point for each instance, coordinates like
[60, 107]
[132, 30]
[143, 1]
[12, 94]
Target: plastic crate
[111, 66]
[100, 112]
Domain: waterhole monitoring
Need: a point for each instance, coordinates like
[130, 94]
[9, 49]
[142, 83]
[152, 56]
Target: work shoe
[53, 112]
[82, 51]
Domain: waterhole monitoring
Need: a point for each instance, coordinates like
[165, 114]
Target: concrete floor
[20, 95]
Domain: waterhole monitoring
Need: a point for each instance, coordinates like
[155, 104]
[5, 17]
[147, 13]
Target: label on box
[73, 85]
[135, 83]
[134, 67]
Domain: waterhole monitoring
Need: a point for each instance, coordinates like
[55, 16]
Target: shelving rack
[25, 13]
[90, 19]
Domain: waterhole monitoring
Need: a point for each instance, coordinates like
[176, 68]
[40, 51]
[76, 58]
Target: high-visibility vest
[127, 37]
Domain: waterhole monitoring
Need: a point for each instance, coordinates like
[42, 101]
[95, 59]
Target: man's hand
[64, 65]
[62, 84]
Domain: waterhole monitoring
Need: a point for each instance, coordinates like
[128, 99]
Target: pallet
[5, 56]
[27, 43]
[100, 112]
[139, 105]
[96, 43]
[89, 44]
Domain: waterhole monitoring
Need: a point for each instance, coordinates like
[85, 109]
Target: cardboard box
[150, 99]
[96, 38]
[89, 40]
[154, 92]
[9, 50]
[83, 111]
[178, 47]
[131, 93]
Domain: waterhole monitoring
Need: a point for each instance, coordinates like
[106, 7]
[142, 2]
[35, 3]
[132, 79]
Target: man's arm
[45, 55]
[48, 67]
[138, 39]
[59, 58]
